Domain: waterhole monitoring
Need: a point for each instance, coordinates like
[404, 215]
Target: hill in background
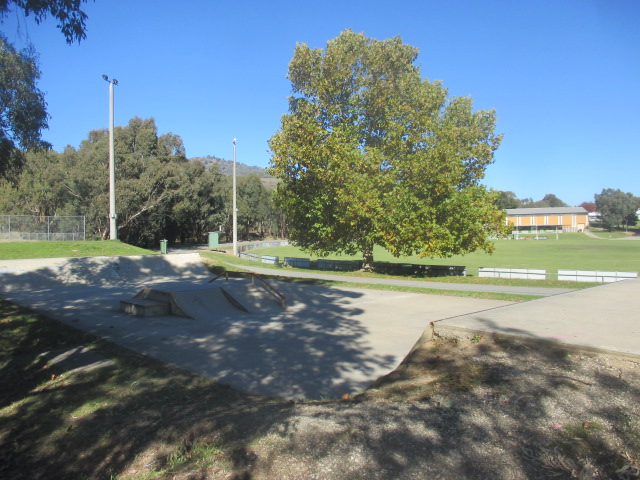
[242, 170]
[226, 167]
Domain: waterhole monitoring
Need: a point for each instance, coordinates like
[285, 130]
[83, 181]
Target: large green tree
[370, 153]
[616, 208]
[507, 199]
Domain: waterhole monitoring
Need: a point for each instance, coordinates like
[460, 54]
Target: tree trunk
[367, 257]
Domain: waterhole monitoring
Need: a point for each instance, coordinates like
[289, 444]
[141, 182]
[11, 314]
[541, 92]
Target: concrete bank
[601, 319]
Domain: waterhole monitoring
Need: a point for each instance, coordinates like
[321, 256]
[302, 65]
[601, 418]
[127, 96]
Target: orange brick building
[551, 219]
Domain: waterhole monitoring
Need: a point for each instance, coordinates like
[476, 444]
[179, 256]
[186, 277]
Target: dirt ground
[479, 409]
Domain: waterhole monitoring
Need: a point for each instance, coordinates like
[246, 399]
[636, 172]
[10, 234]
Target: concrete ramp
[603, 319]
[153, 302]
[236, 297]
[195, 303]
[51, 273]
[254, 297]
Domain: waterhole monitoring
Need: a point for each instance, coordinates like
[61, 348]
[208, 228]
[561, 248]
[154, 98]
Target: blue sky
[563, 76]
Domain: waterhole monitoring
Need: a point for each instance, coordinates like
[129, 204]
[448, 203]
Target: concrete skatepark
[328, 341]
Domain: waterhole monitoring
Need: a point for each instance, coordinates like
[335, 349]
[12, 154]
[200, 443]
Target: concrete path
[603, 319]
[464, 287]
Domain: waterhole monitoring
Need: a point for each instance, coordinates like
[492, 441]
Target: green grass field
[15, 250]
[571, 251]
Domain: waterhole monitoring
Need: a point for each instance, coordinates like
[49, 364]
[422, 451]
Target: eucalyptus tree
[370, 153]
[23, 110]
[198, 207]
[254, 204]
[69, 14]
[23, 113]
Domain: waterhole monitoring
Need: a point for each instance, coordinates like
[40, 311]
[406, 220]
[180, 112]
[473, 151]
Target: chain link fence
[20, 228]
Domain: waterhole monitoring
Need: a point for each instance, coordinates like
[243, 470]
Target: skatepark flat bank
[325, 343]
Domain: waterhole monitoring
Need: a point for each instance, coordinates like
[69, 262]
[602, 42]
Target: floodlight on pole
[113, 230]
[235, 209]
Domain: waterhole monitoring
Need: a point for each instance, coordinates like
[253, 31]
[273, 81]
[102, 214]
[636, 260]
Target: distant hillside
[226, 167]
[242, 170]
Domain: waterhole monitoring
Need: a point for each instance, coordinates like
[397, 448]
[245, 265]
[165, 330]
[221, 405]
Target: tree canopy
[159, 192]
[370, 153]
[23, 113]
[23, 110]
[71, 18]
[509, 200]
[617, 208]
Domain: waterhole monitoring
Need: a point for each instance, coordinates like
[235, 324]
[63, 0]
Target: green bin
[213, 240]
[163, 246]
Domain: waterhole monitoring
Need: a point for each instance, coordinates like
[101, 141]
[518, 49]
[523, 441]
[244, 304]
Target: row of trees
[507, 199]
[159, 193]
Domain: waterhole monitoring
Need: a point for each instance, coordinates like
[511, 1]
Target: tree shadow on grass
[508, 408]
[93, 424]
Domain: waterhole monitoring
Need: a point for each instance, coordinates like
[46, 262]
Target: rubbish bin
[213, 240]
[163, 247]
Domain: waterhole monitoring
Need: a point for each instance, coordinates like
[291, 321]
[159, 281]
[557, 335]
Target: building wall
[566, 223]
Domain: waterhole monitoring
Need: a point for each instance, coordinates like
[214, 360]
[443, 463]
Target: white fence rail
[594, 276]
[568, 275]
[522, 273]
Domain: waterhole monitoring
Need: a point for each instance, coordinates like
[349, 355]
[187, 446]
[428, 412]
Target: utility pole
[113, 229]
[235, 208]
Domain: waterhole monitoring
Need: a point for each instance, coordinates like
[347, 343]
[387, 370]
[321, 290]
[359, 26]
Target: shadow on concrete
[315, 349]
[108, 272]
[85, 427]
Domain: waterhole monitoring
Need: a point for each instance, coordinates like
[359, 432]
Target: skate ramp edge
[50, 273]
[230, 300]
[197, 303]
[151, 302]
[253, 297]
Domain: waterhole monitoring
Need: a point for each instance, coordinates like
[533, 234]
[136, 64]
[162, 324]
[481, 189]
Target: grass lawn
[605, 234]
[219, 262]
[571, 251]
[16, 250]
